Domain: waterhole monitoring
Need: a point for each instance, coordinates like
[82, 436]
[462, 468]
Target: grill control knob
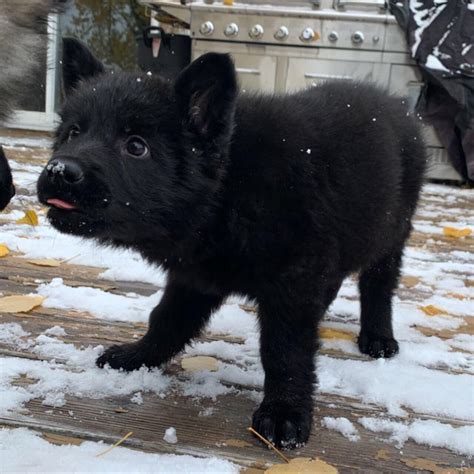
[282, 33]
[357, 37]
[333, 36]
[307, 35]
[256, 32]
[207, 28]
[231, 29]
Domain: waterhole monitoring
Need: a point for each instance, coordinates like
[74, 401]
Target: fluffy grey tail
[22, 45]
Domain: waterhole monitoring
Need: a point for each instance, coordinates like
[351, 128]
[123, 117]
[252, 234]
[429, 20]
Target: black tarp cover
[440, 35]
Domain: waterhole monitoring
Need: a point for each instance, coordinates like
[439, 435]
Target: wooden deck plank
[17, 269]
[202, 435]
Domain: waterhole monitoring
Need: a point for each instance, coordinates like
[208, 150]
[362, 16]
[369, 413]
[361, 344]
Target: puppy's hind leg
[376, 285]
[178, 318]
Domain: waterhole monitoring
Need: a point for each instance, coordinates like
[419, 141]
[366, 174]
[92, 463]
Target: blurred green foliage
[109, 28]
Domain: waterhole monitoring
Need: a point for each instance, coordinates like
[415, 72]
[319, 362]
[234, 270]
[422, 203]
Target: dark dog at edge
[7, 189]
[277, 198]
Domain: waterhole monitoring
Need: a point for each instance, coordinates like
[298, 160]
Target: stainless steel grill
[284, 45]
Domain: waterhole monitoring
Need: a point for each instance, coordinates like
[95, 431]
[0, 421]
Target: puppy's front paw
[377, 346]
[284, 425]
[127, 357]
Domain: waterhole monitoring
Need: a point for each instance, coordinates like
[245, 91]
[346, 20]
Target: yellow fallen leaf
[303, 466]
[252, 470]
[238, 443]
[20, 303]
[329, 333]
[456, 233]
[45, 262]
[421, 464]
[431, 310]
[194, 364]
[30, 218]
[382, 455]
[4, 250]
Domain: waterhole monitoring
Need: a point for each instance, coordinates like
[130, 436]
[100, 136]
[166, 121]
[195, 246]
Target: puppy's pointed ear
[78, 64]
[206, 92]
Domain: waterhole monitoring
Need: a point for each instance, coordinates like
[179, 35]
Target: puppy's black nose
[65, 169]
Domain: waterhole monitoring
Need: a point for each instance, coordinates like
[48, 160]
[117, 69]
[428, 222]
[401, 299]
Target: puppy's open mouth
[60, 204]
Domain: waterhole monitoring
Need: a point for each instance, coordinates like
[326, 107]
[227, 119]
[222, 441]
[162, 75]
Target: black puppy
[278, 198]
[7, 189]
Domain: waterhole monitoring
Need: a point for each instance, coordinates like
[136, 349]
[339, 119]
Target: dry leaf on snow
[303, 466]
[431, 310]
[4, 250]
[248, 308]
[195, 364]
[20, 303]
[456, 233]
[45, 262]
[329, 333]
[30, 218]
[410, 281]
[62, 440]
[457, 296]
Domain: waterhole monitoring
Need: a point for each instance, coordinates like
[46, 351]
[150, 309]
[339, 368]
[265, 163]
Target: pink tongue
[61, 204]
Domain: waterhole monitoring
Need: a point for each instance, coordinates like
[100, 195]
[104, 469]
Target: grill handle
[244, 70]
[340, 77]
[360, 3]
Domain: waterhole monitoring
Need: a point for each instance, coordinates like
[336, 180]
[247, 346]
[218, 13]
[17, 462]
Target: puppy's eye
[136, 147]
[74, 131]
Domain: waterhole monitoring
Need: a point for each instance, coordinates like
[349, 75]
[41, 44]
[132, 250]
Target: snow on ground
[129, 307]
[343, 425]
[430, 432]
[36, 242]
[24, 451]
[430, 376]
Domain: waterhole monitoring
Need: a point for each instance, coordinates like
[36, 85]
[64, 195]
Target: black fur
[278, 198]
